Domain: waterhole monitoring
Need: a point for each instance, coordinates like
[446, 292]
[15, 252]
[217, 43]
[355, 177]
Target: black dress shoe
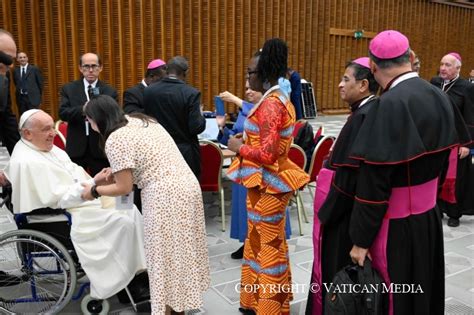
[247, 311]
[238, 254]
[452, 222]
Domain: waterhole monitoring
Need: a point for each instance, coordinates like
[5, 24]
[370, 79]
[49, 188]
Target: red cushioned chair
[320, 153]
[61, 134]
[211, 171]
[298, 156]
[298, 124]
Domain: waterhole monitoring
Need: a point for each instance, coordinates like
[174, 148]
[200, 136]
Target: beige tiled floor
[223, 298]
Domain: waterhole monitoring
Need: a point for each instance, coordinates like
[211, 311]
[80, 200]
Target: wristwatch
[94, 192]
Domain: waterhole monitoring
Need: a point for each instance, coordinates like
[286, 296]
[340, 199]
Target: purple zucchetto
[455, 55]
[362, 61]
[389, 44]
[155, 64]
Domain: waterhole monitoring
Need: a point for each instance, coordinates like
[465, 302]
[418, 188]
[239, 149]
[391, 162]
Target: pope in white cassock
[108, 242]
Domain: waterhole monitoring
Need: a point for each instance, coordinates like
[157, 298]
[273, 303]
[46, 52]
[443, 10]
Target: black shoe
[7, 280]
[238, 254]
[246, 311]
[452, 222]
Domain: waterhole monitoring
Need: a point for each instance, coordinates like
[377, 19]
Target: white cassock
[108, 242]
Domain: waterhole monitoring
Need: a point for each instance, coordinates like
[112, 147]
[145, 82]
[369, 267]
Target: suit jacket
[73, 98]
[176, 106]
[34, 83]
[133, 99]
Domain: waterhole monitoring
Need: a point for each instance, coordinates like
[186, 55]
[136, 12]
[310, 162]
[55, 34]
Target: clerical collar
[400, 78]
[361, 102]
[144, 83]
[447, 84]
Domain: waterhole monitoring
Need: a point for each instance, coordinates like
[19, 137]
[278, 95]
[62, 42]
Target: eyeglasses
[251, 72]
[90, 67]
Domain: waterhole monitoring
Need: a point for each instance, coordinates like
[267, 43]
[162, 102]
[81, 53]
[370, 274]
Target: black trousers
[24, 104]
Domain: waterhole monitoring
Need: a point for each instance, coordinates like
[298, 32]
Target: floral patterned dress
[173, 213]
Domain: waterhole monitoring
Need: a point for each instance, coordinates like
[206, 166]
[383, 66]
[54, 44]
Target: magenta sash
[323, 185]
[403, 202]
[448, 190]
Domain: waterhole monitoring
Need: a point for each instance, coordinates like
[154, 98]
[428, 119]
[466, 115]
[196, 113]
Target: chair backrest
[211, 166]
[298, 124]
[297, 156]
[320, 153]
[61, 134]
[318, 135]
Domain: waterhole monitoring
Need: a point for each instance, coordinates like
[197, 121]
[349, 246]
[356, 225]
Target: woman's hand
[358, 255]
[235, 142]
[86, 193]
[104, 177]
[220, 121]
[231, 98]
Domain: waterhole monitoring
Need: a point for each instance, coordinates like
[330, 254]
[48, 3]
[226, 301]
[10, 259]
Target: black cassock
[402, 144]
[463, 106]
[335, 212]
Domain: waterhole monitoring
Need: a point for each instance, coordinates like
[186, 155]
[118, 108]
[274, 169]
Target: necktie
[89, 91]
[23, 81]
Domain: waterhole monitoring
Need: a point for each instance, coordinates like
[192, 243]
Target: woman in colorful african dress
[263, 167]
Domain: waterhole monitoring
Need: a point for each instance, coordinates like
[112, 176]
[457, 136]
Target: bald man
[8, 125]
[82, 143]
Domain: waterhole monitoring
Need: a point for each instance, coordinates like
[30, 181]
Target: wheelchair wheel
[92, 306]
[37, 274]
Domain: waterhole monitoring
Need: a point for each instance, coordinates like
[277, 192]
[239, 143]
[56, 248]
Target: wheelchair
[39, 268]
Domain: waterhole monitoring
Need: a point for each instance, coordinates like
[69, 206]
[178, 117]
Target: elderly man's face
[449, 67]
[41, 131]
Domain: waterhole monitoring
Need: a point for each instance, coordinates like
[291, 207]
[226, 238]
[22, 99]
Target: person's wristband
[94, 192]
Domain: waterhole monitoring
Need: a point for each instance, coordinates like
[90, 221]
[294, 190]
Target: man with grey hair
[42, 175]
[177, 107]
[454, 196]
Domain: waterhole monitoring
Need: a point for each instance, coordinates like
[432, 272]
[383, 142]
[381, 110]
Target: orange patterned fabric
[263, 159]
[271, 178]
[266, 276]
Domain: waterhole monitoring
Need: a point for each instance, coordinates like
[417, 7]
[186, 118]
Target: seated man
[108, 242]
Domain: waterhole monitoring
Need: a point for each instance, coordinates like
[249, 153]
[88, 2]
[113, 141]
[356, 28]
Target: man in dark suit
[29, 84]
[8, 125]
[177, 107]
[82, 143]
[133, 97]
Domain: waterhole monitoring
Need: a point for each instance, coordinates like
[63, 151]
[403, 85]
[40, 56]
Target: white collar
[144, 83]
[367, 99]
[402, 78]
[24, 66]
[86, 83]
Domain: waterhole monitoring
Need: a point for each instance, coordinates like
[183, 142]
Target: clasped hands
[235, 142]
[104, 177]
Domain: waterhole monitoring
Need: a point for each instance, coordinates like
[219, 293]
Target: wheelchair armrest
[23, 217]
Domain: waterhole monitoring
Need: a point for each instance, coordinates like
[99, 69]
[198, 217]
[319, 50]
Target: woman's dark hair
[107, 114]
[363, 73]
[273, 61]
